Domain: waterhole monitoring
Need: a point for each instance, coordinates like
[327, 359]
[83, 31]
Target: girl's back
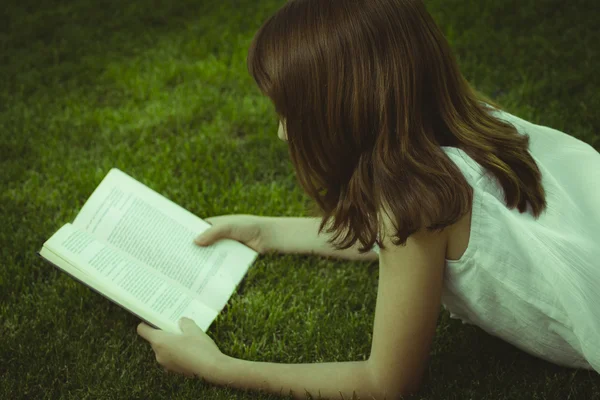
[534, 282]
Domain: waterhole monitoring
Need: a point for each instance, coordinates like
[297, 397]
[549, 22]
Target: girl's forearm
[330, 380]
[299, 235]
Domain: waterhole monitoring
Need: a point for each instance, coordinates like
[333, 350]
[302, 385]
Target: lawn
[160, 90]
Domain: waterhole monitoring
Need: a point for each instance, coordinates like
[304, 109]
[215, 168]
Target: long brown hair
[369, 90]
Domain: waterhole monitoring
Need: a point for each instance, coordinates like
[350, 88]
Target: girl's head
[367, 91]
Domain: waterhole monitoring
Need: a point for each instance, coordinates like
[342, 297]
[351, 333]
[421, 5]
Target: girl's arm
[330, 380]
[408, 305]
[299, 235]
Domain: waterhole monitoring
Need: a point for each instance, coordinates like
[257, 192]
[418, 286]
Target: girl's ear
[281, 132]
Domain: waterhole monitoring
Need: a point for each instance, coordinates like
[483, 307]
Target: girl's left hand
[191, 353]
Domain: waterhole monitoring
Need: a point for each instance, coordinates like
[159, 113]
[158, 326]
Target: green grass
[160, 90]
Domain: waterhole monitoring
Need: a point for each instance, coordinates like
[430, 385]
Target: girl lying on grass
[465, 205]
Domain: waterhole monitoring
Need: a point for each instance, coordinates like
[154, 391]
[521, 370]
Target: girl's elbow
[410, 390]
[394, 394]
[394, 390]
[397, 394]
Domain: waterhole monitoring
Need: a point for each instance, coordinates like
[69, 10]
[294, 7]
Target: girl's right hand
[251, 230]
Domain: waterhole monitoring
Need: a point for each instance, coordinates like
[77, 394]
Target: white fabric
[534, 283]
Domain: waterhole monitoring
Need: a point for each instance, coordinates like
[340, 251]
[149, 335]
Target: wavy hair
[369, 90]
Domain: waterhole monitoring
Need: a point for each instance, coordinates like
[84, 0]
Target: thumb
[188, 325]
[212, 234]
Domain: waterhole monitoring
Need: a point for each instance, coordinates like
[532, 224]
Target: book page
[124, 280]
[126, 214]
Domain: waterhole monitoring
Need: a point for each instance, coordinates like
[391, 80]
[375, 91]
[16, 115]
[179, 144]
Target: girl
[464, 204]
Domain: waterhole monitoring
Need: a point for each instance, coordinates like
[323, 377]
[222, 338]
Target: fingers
[145, 331]
[213, 234]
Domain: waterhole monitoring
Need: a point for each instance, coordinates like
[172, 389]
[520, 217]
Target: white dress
[534, 283]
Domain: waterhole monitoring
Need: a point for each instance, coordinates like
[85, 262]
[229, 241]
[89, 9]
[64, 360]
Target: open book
[136, 248]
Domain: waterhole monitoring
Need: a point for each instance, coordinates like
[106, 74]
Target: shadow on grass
[502, 370]
[51, 41]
